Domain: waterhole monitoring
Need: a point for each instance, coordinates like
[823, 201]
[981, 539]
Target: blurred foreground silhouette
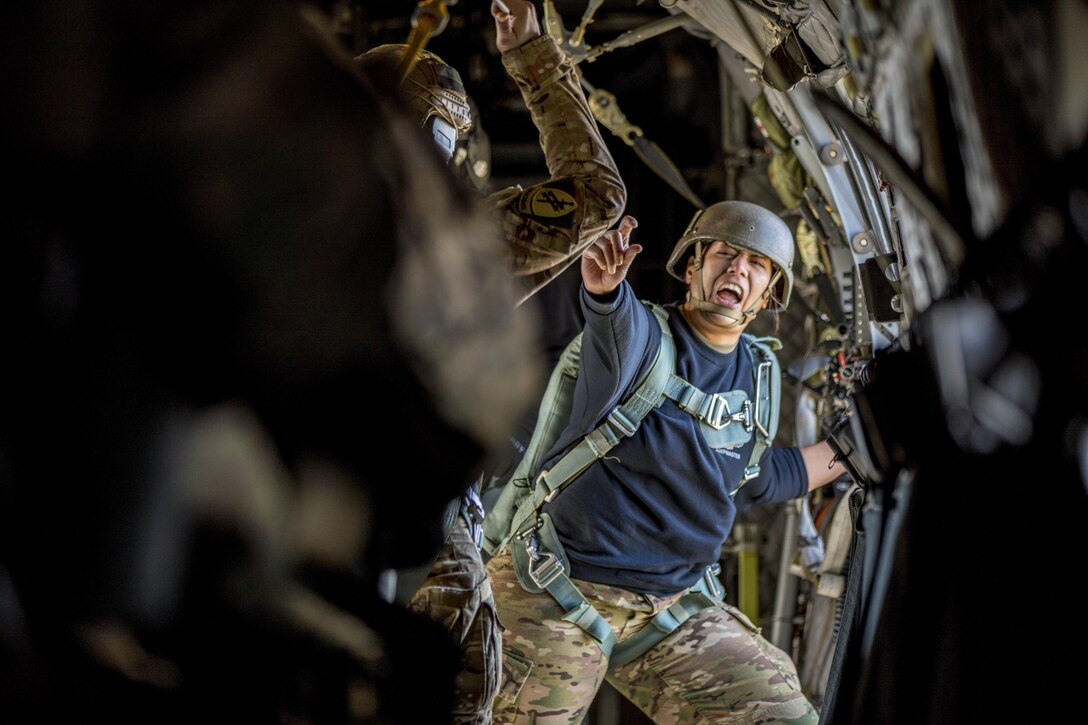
[224, 261]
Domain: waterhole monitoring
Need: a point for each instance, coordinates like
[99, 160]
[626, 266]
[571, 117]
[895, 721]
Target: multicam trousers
[716, 668]
[457, 595]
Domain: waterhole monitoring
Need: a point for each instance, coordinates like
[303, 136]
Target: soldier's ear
[689, 270]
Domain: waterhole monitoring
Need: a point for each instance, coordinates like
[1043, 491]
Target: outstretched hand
[606, 261]
[516, 27]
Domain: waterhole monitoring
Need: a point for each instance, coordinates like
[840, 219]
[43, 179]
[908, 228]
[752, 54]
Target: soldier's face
[733, 277]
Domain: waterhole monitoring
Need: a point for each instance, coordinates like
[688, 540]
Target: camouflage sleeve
[548, 225]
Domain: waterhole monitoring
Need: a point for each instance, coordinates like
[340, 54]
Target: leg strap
[541, 566]
[704, 593]
[581, 613]
[547, 572]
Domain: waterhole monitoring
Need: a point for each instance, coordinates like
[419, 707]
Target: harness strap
[710, 408]
[703, 594]
[622, 422]
[713, 410]
[765, 417]
[547, 572]
[579, 612]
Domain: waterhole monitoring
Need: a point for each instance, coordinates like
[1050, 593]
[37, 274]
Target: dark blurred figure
[243, 308]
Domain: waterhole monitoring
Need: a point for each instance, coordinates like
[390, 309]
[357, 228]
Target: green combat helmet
[434, 94]
[744, 225]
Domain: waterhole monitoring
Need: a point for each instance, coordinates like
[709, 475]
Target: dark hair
[774, 306]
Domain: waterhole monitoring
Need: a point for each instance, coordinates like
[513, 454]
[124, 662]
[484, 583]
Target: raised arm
[548, 225]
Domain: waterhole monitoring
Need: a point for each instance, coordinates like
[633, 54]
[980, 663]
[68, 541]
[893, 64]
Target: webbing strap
[703, 594]
[579, 612]
[710, 408]
[546, 570]
[768, 380]
[659, 383]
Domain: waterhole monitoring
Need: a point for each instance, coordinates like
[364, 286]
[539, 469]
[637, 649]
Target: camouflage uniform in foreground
[458, 596]
[546, 227]
[716, 668]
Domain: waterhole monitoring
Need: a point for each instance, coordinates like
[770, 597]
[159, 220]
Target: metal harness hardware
[618, 419]
[714, 409]
[713, 586]
[763, 372]
[543, 569]
[472, 508]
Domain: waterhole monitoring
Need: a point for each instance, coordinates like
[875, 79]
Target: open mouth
[729, 295]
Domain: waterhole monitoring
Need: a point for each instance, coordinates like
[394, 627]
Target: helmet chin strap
[708, 309]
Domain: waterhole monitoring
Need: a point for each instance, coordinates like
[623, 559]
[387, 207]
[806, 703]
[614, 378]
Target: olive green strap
[622, 422]
[703, 594]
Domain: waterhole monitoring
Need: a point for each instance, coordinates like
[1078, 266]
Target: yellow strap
[430, 18]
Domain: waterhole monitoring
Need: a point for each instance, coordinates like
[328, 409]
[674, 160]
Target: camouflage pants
[716, 668]
[457, 595]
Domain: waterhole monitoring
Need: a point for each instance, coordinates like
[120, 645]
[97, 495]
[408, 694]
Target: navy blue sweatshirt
[653, 513]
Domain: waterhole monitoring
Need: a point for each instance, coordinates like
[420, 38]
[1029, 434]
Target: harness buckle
[545, 568]
[746, 416]
[717, 407]
[713, 586]
[620, 420]
[718, 414]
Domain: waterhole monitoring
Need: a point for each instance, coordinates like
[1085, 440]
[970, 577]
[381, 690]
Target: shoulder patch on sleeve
[549, 201]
